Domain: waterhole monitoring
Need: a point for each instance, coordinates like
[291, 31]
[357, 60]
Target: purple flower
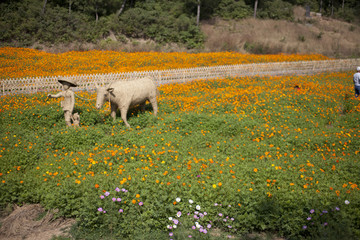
[118, 199]
[205, 213]
[190, 236]
[102, 197]
[205, 231]
[100, 209]
[113, 199]
[224, 220]
[170, 234]
[141, 203]
[198, 176]
[215, 204]
[117, 189]
[312, 211]
[121, 210]
[107, 193]
[232, 219]
[196, 217]
[176, 221]
[309, 218]
[337, 209]
[104, 211]
[209, 226]
[304, 227]
[220, 214]
[325, 224]
[193, 227]
[325, 211]
[178, 214]
[229, 226]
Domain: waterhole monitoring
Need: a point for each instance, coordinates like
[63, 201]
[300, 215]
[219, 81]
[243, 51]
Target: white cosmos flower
[197, 225]
[347, 202]
[198, 207]
[170, 218]
[178, 199]
[191, 201]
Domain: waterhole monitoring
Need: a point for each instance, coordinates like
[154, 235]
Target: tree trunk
[121, 9]
[342, 6]
[70, 2]
[96, 15]
[320, 8]
[255, 8]
[198, 14]
[44, 6]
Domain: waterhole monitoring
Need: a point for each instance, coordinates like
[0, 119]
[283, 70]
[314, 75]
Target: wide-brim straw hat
[63, 80]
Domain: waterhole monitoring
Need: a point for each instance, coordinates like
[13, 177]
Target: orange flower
[97, 186]
[133, 201]
[255, 169]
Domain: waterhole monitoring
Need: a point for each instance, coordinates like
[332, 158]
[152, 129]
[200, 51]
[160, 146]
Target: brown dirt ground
[31, 222]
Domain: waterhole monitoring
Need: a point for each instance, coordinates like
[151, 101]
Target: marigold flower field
[239, 155]
[23, 62]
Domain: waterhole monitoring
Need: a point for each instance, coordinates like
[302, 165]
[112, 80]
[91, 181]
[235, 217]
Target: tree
[255, 8]
[198, 13]
[121, 9]
[44, 6]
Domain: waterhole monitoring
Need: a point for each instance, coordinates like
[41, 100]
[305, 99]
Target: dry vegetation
[304, 35]
[330, 37]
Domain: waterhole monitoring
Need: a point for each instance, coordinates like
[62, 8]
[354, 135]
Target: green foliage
[277, 9]
[246, 170]
[26, 22]
[156, 23]
[231, 9]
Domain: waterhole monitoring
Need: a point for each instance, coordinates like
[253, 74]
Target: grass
[234, 155]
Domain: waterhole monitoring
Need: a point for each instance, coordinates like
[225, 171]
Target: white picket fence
[87, 82]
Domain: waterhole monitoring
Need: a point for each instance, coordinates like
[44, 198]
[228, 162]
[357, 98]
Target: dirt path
[31, 222]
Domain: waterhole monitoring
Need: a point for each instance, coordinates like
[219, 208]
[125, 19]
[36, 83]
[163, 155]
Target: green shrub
[231, 9]
[276, 9]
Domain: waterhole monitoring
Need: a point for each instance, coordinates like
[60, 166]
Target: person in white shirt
[357, 82]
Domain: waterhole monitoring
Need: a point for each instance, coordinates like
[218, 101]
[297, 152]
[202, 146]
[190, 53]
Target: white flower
[197, 225]
[198, 207]
[191, 201]
[178, 199]
[170, 218]
[168, 227]
[347, 202]
[174, 226]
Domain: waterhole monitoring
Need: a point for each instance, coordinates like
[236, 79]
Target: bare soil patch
[32, 222]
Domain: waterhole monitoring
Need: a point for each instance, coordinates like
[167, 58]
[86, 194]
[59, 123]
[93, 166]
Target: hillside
[330, 37]
[321, 35]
